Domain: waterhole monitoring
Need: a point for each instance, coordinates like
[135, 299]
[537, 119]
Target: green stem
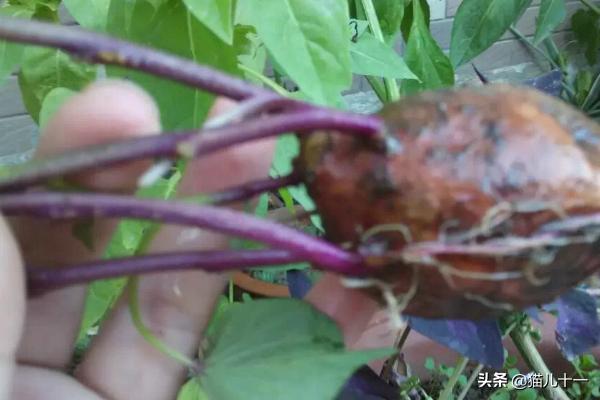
[449, 386]
[555, 53]
[136, 317]
[593, 94]
[424, 394]
[230, 291]
[553, 63]
[591, 6]
[524, 343]
[393, 92]
[541, 52]
[378, 88]
[472, 378]
[147, 237]
[268, 82]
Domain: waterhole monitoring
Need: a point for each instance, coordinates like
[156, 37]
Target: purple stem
[254, 106]
[251, 189]
[43, 279]
[97, 48]
[189, 143]
[235, 223]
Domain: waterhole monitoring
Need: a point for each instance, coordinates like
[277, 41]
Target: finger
[175, 306]
[350, 308]
[105, 111]
[42, 383]
[12, 298]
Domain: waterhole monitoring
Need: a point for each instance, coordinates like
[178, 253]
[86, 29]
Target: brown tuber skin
[463, 171]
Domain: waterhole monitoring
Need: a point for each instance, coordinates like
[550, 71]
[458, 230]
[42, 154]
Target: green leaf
[527, 394]
[101, 295]
[217, 15]
[128, 240]
[583, 84]
[168, 25]
[246, 297]
[286, 150]
[192, 391]
[371, 57]
[11, 54]
[52, 102]
[552, 13]
[282, 340]
[219, 310]
[390, 14]
[130, 233]
[429, 364]
[407, 20]
[479, 23]
[501, 394]
[250, 50]
[89, 14]
[425, 58]
[288, 199]
[43, 70]
[309, 40]
[586, 27]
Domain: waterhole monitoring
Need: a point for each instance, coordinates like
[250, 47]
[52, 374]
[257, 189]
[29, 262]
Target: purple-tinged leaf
[299, 283]
[365, 384]
[578, 326]
[478, 340]
[534, 314]
[549, 83]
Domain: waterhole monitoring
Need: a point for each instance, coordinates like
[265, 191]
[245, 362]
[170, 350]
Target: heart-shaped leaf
[480, 23]
[586, 28]
[549, 83]
[371, 57]
[216, 15]
[45, 69]
[309, 40]
[259, 349]
[578, 326]
[552, 13]
[11, 53]
[424, 57]
[478, 340]
[89, 14]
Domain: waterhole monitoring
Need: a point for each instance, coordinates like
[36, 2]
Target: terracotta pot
[262, 288]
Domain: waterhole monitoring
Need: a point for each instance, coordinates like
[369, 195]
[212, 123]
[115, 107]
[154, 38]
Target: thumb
[12, 299]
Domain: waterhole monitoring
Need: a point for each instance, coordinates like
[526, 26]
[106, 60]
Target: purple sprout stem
[251, 189]
[97, 48]
[254, 106]
[191, 143]
[43, 279]
[72, 205]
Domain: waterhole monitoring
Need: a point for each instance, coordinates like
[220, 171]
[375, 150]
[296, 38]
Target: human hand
[37, 335]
